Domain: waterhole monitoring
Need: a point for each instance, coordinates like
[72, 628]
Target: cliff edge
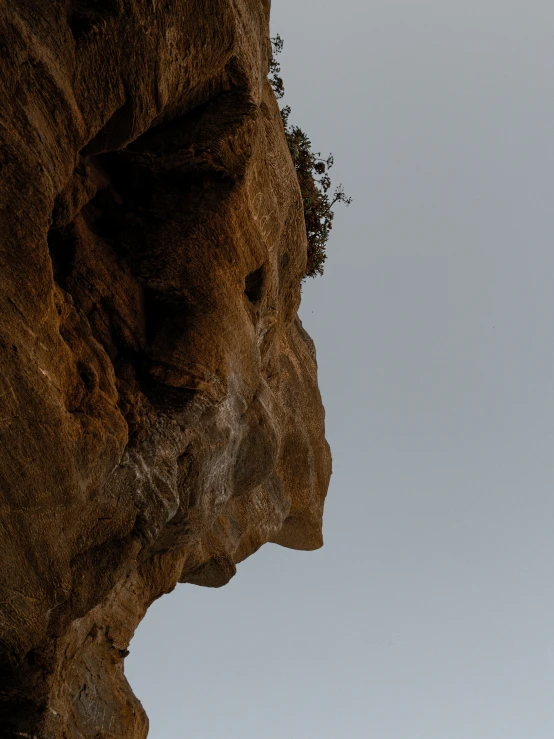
[160, 418]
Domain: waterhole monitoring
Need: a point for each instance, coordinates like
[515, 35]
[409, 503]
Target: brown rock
[159, 412]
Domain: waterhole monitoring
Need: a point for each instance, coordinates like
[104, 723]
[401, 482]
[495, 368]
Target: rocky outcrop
[159, 412]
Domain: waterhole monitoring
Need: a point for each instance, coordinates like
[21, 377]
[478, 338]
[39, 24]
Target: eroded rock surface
[159, 412]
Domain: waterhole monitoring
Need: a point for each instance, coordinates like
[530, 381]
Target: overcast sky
[429, 613]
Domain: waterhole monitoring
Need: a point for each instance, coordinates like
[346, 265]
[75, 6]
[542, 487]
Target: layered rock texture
[159, 412]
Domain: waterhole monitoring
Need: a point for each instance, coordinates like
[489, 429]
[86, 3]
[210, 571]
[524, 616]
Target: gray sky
[429, 613]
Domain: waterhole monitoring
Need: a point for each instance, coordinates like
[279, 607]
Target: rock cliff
[159, 412]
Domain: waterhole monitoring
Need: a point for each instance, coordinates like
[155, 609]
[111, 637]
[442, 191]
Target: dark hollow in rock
[254, 285]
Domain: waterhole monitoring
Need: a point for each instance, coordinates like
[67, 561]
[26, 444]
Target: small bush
[313, 177]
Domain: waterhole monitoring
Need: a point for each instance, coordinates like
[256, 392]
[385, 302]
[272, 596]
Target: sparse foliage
[312, 171]
[275, 68]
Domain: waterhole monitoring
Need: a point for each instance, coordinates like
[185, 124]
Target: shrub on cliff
[313, 177]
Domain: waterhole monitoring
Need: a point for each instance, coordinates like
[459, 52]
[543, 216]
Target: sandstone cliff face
[159, 412]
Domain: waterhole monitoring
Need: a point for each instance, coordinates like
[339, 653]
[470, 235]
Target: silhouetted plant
[313, 177]
[275, 68]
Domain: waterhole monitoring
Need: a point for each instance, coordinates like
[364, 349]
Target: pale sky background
[429, 613]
